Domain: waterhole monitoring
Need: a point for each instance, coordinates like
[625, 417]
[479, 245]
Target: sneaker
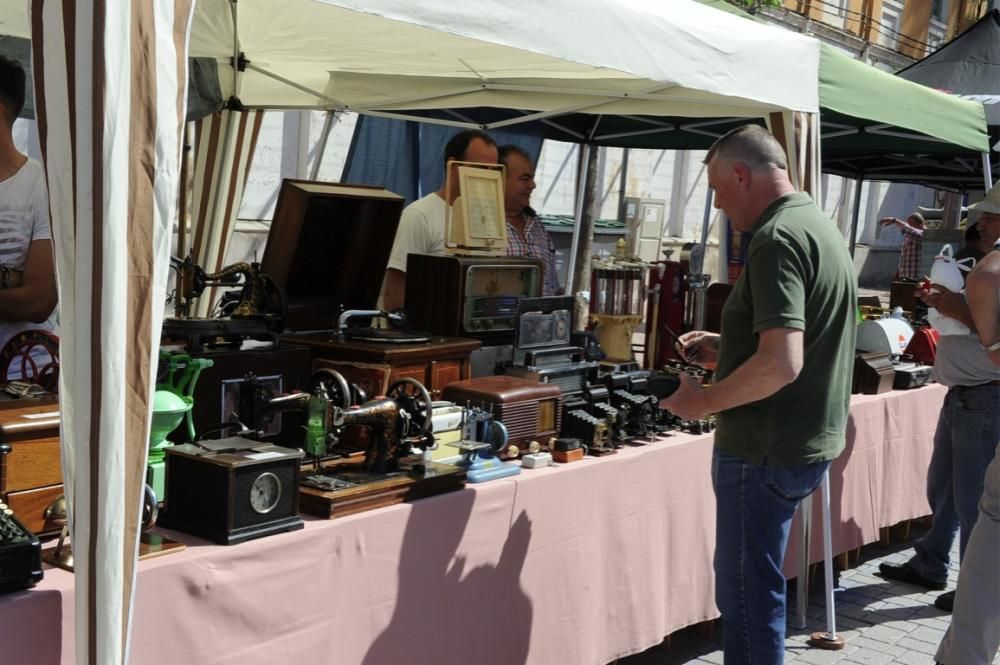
[946, 601]
[906, 573]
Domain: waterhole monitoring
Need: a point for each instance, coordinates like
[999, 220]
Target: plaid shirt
[536, 243]
[909, 253]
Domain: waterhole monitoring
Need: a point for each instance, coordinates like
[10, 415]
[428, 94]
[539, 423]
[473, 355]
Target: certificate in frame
[476, 221]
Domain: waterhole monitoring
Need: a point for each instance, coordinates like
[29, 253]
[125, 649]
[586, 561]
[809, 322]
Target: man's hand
[698, 347]
[687, 402]
[947, 303]
[886, 221]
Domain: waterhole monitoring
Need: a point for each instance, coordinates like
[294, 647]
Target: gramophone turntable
[327, 250]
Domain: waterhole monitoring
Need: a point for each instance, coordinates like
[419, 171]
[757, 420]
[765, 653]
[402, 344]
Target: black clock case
[208, 493]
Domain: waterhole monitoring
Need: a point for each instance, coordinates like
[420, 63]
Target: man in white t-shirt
[27, 277]
[421, 228]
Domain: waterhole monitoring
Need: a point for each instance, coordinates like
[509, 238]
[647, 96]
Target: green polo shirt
[798, 275]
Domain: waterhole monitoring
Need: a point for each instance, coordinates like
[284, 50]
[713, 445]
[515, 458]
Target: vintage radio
[469, 297]
[873, 373]
[530, 411]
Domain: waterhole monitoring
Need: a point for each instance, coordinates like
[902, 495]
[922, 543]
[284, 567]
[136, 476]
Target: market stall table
[579, 563]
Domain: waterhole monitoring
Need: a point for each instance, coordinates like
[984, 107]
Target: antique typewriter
[20, 553]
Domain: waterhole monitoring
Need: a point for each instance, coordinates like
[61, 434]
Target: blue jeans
[964, 444]
[755, 504]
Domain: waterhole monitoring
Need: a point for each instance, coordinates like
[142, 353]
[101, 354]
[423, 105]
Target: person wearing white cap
[968, 428]
[974, 634]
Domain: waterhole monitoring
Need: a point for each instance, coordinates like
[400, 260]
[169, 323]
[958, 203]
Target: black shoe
[946, 601]
[905, 573]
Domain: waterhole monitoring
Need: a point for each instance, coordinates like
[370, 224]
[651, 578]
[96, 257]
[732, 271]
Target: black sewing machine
[254, 307]
[393, 428]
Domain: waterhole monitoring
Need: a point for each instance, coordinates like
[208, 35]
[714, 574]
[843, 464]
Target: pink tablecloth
[581, 563]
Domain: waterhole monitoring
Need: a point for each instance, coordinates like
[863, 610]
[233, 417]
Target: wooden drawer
[30, 505]
[32, 463]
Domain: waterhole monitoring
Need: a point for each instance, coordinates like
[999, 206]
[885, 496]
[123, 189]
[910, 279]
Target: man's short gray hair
[750, 144]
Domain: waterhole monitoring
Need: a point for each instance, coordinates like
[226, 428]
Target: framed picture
[231, 400]
[476, 221]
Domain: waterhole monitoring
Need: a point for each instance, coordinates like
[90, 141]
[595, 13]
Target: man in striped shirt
[909, 254]
[526, 236]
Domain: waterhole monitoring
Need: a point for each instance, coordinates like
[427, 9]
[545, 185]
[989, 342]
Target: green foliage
[751, 6]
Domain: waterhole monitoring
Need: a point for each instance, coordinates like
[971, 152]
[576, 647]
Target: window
[939, 10]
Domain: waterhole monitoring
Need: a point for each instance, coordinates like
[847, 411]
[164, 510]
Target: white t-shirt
[420, 231]
[24, 218]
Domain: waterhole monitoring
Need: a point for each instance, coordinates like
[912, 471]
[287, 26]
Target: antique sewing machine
[396, 431]
[484, 438]
[255, 311]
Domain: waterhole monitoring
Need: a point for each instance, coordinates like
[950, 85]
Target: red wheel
[33, 356]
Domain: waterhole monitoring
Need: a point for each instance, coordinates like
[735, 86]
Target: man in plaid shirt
[525, 234]
[909, 254]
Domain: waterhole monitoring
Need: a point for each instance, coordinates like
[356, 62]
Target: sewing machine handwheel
[413, 398]
[498, 436]
[333, 384]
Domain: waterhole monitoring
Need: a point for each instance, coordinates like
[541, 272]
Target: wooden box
[530, 411]
[31, 474]
[375, 366]
[328, 248]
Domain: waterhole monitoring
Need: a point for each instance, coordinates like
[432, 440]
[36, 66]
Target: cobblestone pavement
[882, 622]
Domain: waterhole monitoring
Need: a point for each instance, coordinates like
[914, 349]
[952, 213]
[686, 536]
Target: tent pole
[562, 167]
[858, 182]
[987, 172]
[698, 279]
[578, 217]
[182, 206]
[623, 181]
[324, 137]
[236, 49]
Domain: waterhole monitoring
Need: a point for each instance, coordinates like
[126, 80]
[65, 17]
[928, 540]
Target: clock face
[265, 492]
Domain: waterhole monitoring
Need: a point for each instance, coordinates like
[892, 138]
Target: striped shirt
[535, 243]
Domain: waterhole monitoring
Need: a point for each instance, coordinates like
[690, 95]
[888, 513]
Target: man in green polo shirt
[782, 382]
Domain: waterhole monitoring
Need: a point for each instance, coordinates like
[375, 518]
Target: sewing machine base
[220, 333]
[348, 489]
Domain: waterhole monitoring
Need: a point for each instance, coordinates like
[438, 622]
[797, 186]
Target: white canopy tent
[668, 57]
[660, 57]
